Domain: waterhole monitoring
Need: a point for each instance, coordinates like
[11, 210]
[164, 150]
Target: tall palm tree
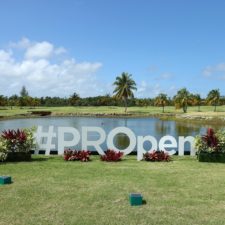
[124, 86]
[196, 100]
[161, 100]
[182, 99]
[213, 98]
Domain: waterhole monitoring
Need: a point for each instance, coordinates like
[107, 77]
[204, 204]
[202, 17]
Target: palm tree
[196, 100]
[161, 100]
[213, 98]
[182, 99]
[124, 86]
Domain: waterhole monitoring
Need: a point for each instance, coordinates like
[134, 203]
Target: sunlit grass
[111, 110]
[52, 191]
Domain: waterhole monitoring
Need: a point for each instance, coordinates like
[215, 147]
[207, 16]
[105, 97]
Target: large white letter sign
[41, 136]
[140, 145]
[44, 139]
[163, 145]
[126, 131]
[95, 143]
[182, 141]
[62, 143]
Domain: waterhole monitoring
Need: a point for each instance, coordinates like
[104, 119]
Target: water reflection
[121, 141]
[140, 126]
[182, 129]
[162, 127]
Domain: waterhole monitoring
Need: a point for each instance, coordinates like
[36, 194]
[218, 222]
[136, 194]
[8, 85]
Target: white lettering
[126, 131]
[140, 148]
[182, 141]
[61, 134]
[166, 143]
[163, 145]
[96, 143]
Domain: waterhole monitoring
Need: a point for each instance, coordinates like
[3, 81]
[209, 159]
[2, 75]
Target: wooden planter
[211, 157]
[18, 156]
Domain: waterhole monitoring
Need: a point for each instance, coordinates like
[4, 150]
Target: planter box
[211, 157]
[135, 199]
[5, 180]
[18, 156]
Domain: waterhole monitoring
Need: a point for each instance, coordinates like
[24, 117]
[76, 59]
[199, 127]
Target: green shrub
[210, 142]
[211, 157]
[16, 141]
[211, 146]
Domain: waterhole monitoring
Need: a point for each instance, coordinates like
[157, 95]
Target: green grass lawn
[49, 190]
[135, 111]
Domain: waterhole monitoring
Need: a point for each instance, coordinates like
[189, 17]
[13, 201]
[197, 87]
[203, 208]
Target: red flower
[111, 156]
[210, 139]
[14, 136]
[156, 156]
[74, 155]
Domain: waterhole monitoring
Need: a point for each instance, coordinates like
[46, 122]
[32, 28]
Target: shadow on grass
[40, 159]
[28, 161]
[144, 202]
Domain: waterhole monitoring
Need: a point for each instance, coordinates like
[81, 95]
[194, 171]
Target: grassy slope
[138, 111]
[56, 192]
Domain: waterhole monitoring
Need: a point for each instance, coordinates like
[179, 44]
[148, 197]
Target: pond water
[140, 126]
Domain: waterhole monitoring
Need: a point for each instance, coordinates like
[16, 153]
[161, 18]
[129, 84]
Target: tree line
[123, 95]
[125, 85]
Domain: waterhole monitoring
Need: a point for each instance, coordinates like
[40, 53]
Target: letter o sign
[123, 130]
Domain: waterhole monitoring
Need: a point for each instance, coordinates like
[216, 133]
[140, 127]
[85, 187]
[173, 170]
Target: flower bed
[74, 155]
[211, 146]
[157, 156]
[111, 156]
[15, 145]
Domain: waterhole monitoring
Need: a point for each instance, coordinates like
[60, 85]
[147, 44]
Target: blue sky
[64, 46]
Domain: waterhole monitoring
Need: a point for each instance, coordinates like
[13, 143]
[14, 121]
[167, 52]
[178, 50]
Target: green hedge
[18, 156]
[211, 157]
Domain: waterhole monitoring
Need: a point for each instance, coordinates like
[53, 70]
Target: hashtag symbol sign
[40, 136]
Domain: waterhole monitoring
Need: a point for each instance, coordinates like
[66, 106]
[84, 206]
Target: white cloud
[33, 49]
[41, 76]
[21, 44]
[144, 90]
[147, 90]
[218, 71]
[39, 50]
[60, 50]
[5, 56]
